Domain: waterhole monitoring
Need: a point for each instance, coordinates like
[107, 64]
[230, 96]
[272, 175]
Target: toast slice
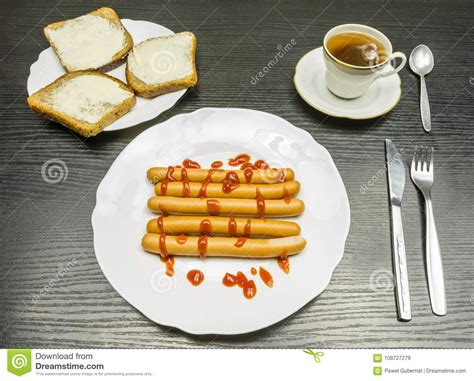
[95, 41]
[161, 65]
[84, 101]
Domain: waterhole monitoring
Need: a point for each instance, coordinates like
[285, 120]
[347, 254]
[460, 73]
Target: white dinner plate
[48, 68]
[382, 96]
[206, 135]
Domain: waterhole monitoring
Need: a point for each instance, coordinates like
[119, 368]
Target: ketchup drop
[195, 277]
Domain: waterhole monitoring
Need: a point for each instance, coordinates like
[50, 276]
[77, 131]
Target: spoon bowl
[421, 60]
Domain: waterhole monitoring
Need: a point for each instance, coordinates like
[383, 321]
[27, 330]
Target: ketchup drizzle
[247, 228]
[230, 182]
[188, 163]
[162, 245]
[261, 164]
[217, 164]
[239, 159]
[248, 173]
[166, 180]
[169, 263]
[205, 228]
[284, 263]
[240, 242]
[202, 246]
[266, 277]
[160, 223]
[185, 180]
[260, 204]
[232, 227]
[248, 286]
[213, 207]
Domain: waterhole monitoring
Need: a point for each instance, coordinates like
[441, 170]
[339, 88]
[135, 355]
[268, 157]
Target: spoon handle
[425, 106]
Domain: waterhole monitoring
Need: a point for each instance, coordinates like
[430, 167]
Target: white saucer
[382, 96]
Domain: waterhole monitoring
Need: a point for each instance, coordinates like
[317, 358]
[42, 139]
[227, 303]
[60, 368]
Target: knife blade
[396, 185]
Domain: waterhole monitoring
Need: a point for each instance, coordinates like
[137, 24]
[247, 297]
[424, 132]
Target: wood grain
[46, 227]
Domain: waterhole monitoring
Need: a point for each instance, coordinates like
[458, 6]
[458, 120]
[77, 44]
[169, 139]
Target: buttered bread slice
[161, 65]
[90, 42]
[84, 101]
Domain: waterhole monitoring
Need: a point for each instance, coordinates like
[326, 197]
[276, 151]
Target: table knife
[396, 184]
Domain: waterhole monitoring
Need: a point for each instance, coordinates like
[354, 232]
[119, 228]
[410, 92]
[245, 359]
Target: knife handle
[402, 290]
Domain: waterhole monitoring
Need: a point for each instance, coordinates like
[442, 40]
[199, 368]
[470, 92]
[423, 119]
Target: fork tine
[430, 168]
[419, 166]
[425, 159]
[422, 158]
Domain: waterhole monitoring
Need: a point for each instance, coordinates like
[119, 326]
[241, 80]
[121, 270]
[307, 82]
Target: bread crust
[83, 128]
[108, 14]
[150, 91]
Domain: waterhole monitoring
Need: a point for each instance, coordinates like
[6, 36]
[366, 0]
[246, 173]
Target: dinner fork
[422, 176]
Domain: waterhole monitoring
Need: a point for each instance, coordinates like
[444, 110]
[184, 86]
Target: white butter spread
[88, 97]
[162, 59]
[87, 42]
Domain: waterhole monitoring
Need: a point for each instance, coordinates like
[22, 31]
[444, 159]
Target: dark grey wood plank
[47, 227]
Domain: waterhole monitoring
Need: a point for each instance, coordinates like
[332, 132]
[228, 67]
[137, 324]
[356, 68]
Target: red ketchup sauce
[195, 277]
[248, 287]
[202, 246]
[169, 263]
[164, 183]
[239, 160]
[260, 204]
[248, 173]
[230, 182]
[240, 242]
[213, 207]
[247, 228]
[205, 228]
[266, 277]
[217, 164]
[253, 271]
[261, 164]
[232, 227]
[284, 262]
[181, 239]
[188, 163]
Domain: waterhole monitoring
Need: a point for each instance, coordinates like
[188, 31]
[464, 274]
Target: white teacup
[349, 81]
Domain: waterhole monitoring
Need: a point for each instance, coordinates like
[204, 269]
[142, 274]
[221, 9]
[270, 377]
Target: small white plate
[48, 68]
[382, 96]
[209, 134]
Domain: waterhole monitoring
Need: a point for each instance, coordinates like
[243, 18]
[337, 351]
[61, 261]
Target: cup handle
[395, 55]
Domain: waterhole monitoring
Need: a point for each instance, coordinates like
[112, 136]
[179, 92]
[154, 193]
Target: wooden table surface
[52, 291]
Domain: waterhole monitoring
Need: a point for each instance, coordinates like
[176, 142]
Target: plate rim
[342, 116]
[230, 331]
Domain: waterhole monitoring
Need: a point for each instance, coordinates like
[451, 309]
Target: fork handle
[402, 290]
[434, 264]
